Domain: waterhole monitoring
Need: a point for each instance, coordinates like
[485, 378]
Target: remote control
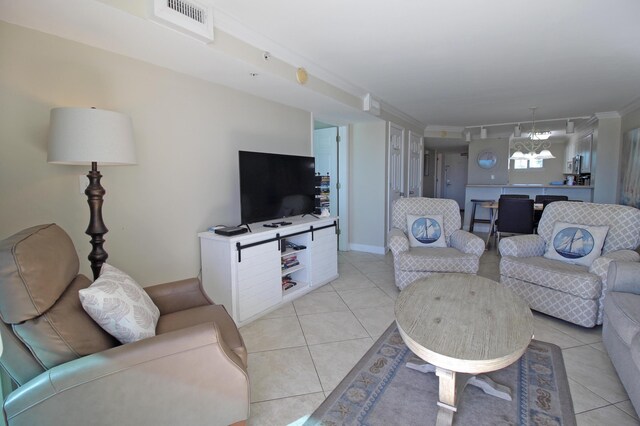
[273, 225]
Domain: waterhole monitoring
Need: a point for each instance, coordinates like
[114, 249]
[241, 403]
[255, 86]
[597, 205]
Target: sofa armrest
[178, 295]
[180, 377]
[624, 277]
[522, 246]
[468, 243]
[600, 265]
[398, 241]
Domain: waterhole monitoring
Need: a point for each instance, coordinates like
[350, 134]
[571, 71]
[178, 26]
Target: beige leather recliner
[71, 372]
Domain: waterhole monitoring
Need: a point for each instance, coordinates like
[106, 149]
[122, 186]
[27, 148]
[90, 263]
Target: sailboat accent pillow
[426, 231]
[575, 243]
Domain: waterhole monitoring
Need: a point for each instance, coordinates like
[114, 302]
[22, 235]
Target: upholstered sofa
[571, 292]
[69, 371]
[462, 253]
[621, 327]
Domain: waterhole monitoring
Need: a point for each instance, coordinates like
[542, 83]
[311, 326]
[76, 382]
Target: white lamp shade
[86, 135]
[545, 154]
[483, 133]
[518, 155]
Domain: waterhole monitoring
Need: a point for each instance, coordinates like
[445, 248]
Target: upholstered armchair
[461, 254]
[69, 371]
[568, 291]
[621, 325]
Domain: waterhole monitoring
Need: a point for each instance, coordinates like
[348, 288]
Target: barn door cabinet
[257, 272]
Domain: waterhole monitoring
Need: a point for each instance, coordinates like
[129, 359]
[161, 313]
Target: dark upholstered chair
[69, 371]
[545, 200]
[514, 196]
[515, 216]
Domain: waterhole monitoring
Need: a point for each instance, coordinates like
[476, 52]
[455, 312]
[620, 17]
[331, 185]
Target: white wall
[368, 182]
[187, 132]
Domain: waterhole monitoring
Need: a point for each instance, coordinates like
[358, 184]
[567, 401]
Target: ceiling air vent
[189, 17]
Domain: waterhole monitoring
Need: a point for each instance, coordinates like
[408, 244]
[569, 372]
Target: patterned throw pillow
[120, 306]
[575, 243]
[426, 231]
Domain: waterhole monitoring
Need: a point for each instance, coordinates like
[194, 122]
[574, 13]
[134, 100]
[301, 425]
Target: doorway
[331, 152]
[452, 180]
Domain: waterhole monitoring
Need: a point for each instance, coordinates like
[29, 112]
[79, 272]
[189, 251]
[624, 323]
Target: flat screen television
[274, 186]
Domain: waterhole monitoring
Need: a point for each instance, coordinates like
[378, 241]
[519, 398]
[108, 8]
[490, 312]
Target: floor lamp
[82, 136]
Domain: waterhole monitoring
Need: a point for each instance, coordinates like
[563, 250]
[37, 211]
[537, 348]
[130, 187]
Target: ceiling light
[537, 140]
[570, 127]
[545, 154]
[517, 131]
[468, 137]
[483, 133]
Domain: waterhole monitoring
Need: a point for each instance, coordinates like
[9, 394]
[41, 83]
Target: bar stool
[473, 214]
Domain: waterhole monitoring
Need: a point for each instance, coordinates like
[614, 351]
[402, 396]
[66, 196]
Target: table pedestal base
[451, 386]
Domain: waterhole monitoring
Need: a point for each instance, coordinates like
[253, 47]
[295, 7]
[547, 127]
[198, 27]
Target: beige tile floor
[299, 353]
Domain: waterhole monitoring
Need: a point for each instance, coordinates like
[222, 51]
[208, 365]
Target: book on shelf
[288, 283]
[290, 265]
[289, 261]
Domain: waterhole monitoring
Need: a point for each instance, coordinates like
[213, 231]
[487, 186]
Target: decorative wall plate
[487, 159]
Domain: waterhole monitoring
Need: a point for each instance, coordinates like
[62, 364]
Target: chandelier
[536, 141]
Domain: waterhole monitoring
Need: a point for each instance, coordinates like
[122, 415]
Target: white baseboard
[367, 249]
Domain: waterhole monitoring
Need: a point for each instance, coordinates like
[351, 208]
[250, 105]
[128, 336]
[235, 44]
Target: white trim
[591, 122]
[632, 106]
[449, 129]
[232, 26]
[368, 249]
[401, 115]
[608, 114]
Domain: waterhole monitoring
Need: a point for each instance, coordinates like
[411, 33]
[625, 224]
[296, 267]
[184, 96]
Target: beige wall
[187, 133]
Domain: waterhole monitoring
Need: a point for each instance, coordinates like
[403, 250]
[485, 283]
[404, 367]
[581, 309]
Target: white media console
[245, 273]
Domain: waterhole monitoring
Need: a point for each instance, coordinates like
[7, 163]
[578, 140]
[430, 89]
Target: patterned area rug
[380, 390]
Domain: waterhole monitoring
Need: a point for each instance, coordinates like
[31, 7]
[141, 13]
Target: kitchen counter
[493, 192]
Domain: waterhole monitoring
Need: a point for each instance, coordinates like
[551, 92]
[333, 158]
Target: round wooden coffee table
[463, 325]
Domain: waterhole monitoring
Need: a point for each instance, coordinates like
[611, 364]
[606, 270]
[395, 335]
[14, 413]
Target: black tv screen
[274, 186]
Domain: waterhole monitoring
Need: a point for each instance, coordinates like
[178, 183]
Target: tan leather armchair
[71, 372]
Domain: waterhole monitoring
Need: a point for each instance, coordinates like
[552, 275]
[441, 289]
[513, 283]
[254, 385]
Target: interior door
[455, 177]
[325, 151]
[396, 167]
[331, 152]
[415, 165]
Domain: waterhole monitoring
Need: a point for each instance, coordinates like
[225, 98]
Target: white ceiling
[442, 62]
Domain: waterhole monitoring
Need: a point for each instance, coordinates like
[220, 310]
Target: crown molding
[607, 114]
[390, 109]
[449, 129]
[632, 106]
[590, 123]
